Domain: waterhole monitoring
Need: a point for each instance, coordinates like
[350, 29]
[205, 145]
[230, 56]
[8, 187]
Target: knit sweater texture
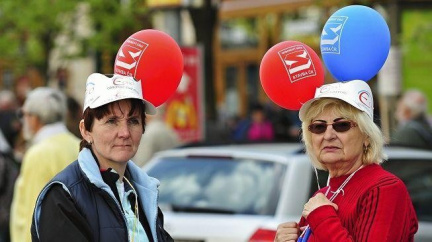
[374, 206]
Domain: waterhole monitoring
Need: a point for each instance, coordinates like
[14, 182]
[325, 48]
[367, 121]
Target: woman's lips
[330, 148]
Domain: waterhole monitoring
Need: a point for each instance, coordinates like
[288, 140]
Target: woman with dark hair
[103, 195]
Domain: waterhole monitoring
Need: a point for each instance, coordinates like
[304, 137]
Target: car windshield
[219, 185]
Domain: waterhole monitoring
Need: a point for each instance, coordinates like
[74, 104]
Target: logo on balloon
[128, 57]
[298, 63]
[330, 37]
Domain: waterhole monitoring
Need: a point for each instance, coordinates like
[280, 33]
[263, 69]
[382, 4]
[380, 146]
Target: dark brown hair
[98, 113]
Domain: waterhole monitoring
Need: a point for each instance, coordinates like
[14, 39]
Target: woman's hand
[315, 202]
[287, 232]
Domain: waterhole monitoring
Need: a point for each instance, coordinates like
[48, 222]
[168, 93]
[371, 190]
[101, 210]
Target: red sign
[184, 110]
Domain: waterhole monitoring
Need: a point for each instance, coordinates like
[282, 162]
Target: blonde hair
[374, 153]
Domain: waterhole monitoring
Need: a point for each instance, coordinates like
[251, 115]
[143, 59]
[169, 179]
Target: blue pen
[305, 235]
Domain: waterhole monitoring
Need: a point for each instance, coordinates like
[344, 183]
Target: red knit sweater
[375, 206]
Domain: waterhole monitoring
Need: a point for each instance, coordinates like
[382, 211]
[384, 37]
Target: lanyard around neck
[306, 233]
[340, 189]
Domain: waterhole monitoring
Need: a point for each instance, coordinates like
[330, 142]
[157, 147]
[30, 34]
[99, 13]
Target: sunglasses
[339, 126]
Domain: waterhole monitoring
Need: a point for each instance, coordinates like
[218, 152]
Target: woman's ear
[367, 142]
[84, 133]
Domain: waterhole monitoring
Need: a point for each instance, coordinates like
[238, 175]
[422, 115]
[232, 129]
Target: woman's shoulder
[376, 173]
[379, 178]
[69, 176]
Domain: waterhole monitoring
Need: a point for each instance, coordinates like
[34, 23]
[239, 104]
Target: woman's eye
[111, 121]
[134, 121]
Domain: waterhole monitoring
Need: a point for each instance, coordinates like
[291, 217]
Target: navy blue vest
[100, 209]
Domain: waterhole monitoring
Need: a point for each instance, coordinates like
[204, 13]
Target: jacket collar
[146, 186]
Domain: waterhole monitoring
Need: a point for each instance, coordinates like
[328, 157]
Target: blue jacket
[95, 200]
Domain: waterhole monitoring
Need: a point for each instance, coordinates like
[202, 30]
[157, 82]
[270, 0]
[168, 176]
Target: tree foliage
[28, 29]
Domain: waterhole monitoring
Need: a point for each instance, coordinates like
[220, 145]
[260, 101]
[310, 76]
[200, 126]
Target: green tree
[28, 29]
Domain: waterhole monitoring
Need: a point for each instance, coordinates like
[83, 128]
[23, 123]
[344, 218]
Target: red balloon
[290, 72]
[154, 58]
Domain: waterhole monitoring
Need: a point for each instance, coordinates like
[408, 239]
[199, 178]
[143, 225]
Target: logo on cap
[298, 63]
[90, 87]
[331, 89]
[128, 57]
[365, 98]
[331, 34]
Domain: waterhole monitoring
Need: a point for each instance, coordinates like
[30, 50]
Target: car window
[417, 176]
[225, 185]
[322, 181]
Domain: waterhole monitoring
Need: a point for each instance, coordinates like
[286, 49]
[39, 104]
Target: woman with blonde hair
[362, 201]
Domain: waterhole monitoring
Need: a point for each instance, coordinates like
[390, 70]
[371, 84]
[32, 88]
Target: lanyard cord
[304, 236]
[136, 209]
[340, 189]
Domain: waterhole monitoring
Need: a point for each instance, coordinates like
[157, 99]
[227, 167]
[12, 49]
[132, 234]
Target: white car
[242, 192]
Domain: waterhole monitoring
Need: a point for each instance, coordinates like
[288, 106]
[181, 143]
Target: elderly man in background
[413, 127]
[51, 148]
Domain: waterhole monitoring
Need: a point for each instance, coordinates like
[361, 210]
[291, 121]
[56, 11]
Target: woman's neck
[120, 168]
[343, 170]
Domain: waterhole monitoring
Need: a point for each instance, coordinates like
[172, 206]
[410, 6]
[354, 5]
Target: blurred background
[59, 43]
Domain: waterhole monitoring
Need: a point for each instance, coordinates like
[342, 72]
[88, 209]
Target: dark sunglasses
[339, 126]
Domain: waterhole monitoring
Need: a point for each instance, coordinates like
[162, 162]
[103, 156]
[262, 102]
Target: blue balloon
[355, 43]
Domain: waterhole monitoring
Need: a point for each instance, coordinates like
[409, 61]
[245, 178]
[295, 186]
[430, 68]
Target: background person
[413, 126]
[361, 198]
[255, 128]
[10, 124]
[286, 124]
[158, 136]
[260, 129]
[8, 173]
[51, 148]
[103, 195]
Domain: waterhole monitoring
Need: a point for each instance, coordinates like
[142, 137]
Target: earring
[365, 149]
[90, 143]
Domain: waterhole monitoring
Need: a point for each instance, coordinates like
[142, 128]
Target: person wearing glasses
[103, 195]
[362, 201]
[51, 147]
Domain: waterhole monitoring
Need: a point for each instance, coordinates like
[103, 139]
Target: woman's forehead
[121, 107]
[329, 111]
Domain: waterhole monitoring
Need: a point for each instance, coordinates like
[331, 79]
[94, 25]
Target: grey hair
[416, 101]
[374, 153]
[47, 103]
[7, 98]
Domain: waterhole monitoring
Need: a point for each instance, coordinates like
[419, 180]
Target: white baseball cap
[356, 92]
[101, 90]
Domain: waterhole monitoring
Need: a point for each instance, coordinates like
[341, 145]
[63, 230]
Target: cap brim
[305, 107]
[149, 108]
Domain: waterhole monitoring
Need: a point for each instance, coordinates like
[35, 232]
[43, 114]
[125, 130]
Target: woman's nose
[124, 130]
[330, 133]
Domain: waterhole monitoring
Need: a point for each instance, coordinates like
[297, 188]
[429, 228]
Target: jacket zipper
[121, 210]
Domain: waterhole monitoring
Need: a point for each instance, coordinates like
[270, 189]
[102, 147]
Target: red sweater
[375, 206]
